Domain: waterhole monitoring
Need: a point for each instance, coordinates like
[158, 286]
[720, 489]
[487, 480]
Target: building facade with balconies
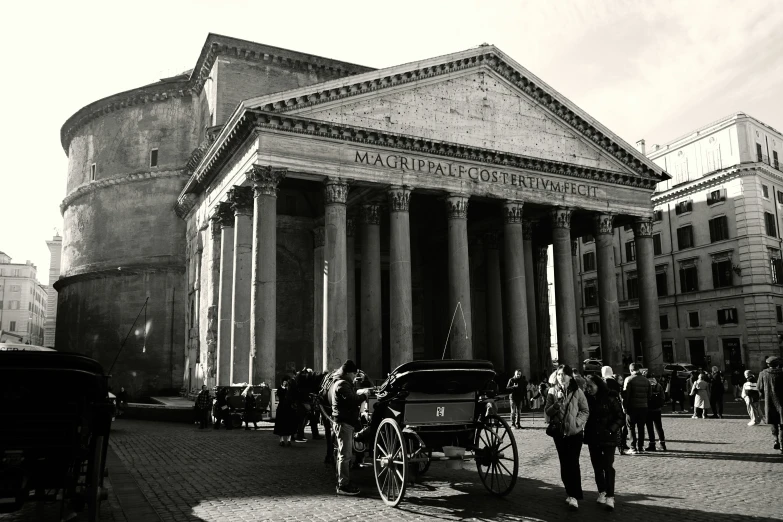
[717, 244]
[22, 302]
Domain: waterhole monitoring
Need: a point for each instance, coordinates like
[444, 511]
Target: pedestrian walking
[566, 405]
[286, 419]
[517, 394]
[717, 390]
[770, 386]
[251, 414]
[614, 385]
[676, 390]
[203, 407]
[701, 397]
[636, 396]
[737, 383]
[222, 411]
[654, 423]
[750, 393]
[605, 421]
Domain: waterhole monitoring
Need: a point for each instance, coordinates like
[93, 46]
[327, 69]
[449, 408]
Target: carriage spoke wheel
[497, 458]
[94, 480]
[416, 450]
[390, 462]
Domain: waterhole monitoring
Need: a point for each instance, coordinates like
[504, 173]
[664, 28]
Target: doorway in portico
[732, 354]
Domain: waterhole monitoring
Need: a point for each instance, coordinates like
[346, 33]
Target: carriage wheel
[497, 458]
[94, 480]
[390, 462]
[415, 449]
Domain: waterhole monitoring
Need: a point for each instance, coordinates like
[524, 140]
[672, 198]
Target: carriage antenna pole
[459, 305]
[143, 307]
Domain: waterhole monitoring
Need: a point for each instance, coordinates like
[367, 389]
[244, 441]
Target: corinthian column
[241, 199]
[608, 306]
[460, 341]
[214, 296]
[648, 295]
[319, 301]
[516, 300]
[401, 305]
[350, 263]
[263, 301]
[567, 350]
[370, 288]
[577, 297]
[335, 254]
[225, 217]
[494, 303]
[530, 295]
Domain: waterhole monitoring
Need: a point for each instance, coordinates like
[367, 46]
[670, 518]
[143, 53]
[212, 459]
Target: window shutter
[715, 275]
[689, 205]
[713, 234]
[678, 209]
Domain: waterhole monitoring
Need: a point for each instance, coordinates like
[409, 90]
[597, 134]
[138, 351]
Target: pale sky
[653, 70]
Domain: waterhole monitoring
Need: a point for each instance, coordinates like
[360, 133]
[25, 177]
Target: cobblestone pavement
[715, 470]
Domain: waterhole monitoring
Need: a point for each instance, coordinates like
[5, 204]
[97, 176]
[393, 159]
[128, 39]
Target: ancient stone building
[280, 210]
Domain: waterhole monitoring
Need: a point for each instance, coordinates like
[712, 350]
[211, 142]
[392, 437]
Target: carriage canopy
[435, 377]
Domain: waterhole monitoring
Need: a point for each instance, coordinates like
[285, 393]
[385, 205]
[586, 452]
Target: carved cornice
[561, 218]
[184, 205]
[715, 179]
[319, 237]
[350, 227]
[604, 224]
[265, 179]
[134, 177]
[241, 199]
[335, 191]
[527, 229]
[371, 214]
[399, 199]
[457, 206]
[492, 240]
[643, 227]
[224, 214]
[512, 211]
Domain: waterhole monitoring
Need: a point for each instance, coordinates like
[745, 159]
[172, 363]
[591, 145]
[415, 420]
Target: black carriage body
[56, 409]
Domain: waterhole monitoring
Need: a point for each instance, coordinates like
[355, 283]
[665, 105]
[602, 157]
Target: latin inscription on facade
[474, 173]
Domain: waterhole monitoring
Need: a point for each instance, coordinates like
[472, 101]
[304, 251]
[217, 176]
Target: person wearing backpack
[656, 402]
[750, 392]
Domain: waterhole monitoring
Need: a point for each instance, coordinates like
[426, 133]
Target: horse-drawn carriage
[235, 404]
[55, 430]
[427, 407]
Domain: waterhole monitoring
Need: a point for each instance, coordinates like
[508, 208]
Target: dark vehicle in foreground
[55, 431]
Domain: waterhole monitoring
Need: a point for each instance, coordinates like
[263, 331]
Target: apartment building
[22, 302]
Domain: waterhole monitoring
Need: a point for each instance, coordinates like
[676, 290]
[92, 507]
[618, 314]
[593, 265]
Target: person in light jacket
[566, 403]
[750, 393]
[701, 397]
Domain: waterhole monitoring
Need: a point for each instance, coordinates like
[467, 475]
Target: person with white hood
[750, 392]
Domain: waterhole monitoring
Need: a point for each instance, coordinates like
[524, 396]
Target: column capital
[350, 227]
[527, 229]
[643, 227]
[457, 206]
[561, 217]
[319, 237]
[241, 200]
[492, 240]
[399, 198]
[265, 179]
[223, 215]
[604, 224]
[512, 211]
[335, 191]
[371, 214]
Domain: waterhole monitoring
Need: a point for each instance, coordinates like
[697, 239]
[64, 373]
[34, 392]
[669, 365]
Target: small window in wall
[591, 295]
[769, 221]
[719, 229]
[93, 170]
[775, 162]
[689, 278]
[721, 273]
[630, 251]
[593, 328]
[588, 261]
[765, 191]
[780, 197]
[727, 316]
[685, 237]
[779, 313]
[776, 265]
[658, 215]
[661, 284]
[657, 244]
[693, 320]
[12, 326]
[633, 287]
[683, 207]
[154, 158]
[664, 318]
[716, 196]
[759, 155]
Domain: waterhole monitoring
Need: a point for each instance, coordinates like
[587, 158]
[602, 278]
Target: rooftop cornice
[255, 121]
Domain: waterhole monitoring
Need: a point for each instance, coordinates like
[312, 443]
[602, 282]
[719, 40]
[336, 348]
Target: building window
[633, 287]
[769, 221]
[12, 327]
[588, 238]
[591, 296]
[759, 155]
[779, 313]
[721, 273]
[683, 207]
[657, 244]
[727, 316]
[93, 169]
[689, 279]
[588, 261]
[775, 159]
[593, 328]
[658, 215]
[780, 197]
[776, 264]
[693, 319]
[719, 229]
[661, 284]
[630, 251]
[664, 322]
[765, 191]
[154, 158]
[716, 196]
[685, 237]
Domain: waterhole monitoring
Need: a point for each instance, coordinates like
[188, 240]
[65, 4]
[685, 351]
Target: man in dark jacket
[517, 391]
[636, 396]
[203, 407]
[345, 411]
[716, 393]
[770, 386]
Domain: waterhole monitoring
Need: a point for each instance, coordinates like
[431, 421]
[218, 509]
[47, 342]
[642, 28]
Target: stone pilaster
[335, 256]
[608, 306]
[494, 310]
[543, 318]
[370, 288]
[225, 218]
[400, 292]
[648, 295]
[567, 349]
[518, 355]
[530, 295]
[263, 309]
[241, 199]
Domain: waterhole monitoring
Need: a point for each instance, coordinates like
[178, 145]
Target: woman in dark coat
[605, 420]
[286, 419]
[221, 409]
